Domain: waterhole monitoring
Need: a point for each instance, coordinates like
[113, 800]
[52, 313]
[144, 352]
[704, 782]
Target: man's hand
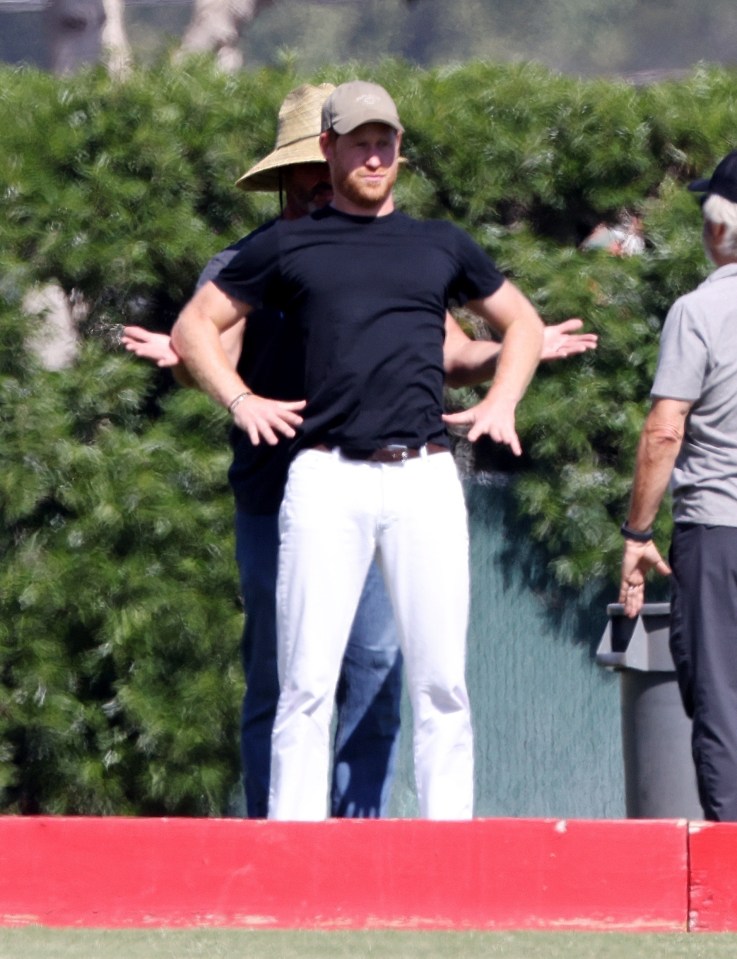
[264, 419]
[490, 417]
[149, 346]
[638, 560]
[561, 340]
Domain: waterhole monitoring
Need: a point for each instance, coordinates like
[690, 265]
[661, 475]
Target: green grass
[35, 943]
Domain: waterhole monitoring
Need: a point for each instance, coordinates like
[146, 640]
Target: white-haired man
[689, 441]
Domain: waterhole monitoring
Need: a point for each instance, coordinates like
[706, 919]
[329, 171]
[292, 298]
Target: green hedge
[119, 612]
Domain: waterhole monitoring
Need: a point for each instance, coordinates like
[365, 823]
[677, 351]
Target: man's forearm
[196, 338]
[183, 377]
[474, 363]
[518, 358]
[471, 362]
[657, 452]
[512, 316]
[653, 469]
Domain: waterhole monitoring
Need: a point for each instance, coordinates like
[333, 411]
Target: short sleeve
[478, 276]
[217, 263]
[251, 272]
[683, 357]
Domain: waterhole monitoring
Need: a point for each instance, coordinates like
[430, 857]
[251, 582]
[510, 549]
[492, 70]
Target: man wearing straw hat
[267, 354]
[369, 688]
[369, 288]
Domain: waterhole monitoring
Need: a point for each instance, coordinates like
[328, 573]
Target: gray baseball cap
[352, 104]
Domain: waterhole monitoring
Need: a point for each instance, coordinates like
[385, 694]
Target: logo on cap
[355, 103]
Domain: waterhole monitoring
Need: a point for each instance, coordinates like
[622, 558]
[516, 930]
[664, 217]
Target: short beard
[319, 197]
[355, 190]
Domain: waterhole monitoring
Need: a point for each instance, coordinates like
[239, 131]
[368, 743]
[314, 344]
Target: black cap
[723, 180]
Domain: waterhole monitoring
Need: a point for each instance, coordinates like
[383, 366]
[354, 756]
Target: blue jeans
[367, 697]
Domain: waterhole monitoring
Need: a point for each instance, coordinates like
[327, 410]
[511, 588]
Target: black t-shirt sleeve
[252, 271]
[216, 264]
[478, 276]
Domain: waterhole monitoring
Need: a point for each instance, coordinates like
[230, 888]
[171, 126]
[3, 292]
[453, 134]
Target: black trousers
[704, 646]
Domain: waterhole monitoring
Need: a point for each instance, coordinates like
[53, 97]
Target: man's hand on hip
[264, 419]
[490, 417]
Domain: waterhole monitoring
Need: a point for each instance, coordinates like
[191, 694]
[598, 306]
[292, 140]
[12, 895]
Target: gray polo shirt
[698, 363]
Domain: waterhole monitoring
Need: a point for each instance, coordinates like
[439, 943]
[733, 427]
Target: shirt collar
[721, 273]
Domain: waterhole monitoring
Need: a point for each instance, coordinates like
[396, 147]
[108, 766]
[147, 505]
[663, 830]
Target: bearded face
[307, 187]
[364, 166]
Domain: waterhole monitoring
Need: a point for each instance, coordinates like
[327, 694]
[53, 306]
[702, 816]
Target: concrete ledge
[344, 874]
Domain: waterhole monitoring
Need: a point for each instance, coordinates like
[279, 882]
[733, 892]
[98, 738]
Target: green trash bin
[659, 775]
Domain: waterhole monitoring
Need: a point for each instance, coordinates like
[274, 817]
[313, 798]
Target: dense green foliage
[119, 672]
[119, 614]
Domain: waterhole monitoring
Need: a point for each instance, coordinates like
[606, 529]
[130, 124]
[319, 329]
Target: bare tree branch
[216, 27]
[115, 43]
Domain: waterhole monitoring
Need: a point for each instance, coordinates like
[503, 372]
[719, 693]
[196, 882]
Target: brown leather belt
[396, 453]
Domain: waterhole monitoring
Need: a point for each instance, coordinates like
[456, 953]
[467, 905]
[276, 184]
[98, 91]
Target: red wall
[352, 874]
[713, 877]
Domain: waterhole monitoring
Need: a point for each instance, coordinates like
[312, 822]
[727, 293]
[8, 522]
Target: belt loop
[424, 451]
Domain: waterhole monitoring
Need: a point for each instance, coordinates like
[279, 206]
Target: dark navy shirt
[272, 363]
[368, 296]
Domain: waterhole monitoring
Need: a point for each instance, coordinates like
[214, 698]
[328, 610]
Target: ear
[714, 231]
[326, 144]
[398, 144]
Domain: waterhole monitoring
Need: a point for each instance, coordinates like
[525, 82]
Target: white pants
[336, 514]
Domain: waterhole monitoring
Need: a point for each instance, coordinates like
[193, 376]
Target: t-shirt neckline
[358, 217]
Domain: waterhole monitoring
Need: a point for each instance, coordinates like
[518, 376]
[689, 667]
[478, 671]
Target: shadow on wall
[546, 717]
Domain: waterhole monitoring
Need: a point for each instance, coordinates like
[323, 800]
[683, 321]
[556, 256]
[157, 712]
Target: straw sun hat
[297, 133]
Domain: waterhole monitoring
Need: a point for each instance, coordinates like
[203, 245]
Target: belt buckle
[399, 452]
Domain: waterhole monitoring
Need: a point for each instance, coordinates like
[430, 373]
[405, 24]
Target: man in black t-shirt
[368, 288]
[269, 356]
